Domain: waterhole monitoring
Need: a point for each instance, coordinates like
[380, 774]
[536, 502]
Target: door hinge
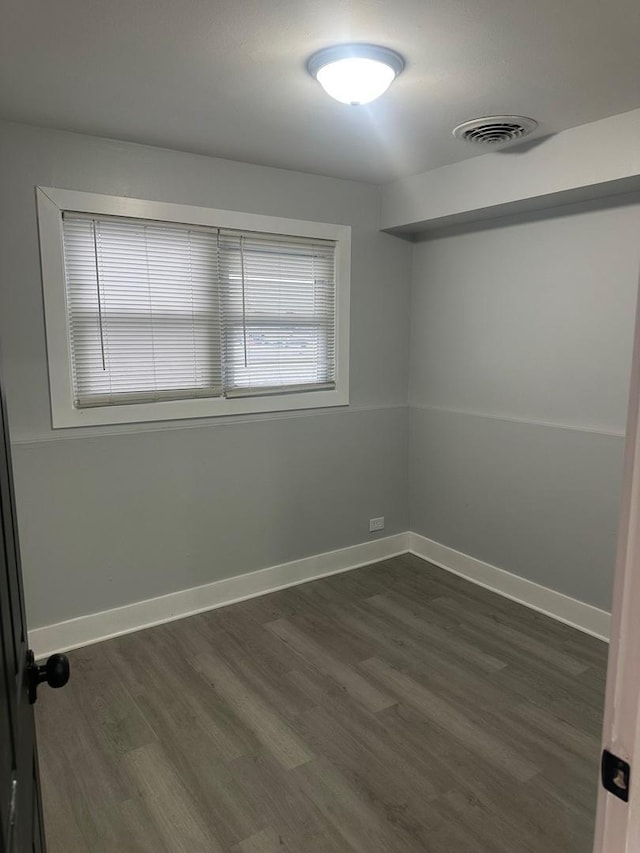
[616, 775]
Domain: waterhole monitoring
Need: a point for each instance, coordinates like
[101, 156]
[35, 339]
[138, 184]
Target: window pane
[278, 355]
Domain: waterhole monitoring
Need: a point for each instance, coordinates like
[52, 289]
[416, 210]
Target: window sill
[67, 416]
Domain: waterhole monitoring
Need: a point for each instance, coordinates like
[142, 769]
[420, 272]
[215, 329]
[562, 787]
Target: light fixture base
[355, 51]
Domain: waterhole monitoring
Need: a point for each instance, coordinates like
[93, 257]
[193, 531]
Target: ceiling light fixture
[355, 73]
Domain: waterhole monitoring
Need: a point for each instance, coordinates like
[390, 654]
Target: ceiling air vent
[494, 130]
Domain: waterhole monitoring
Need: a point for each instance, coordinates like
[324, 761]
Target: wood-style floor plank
[393, 709]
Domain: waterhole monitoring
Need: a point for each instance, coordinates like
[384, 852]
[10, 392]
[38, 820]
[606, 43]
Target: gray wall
[521, 343]
[520, 359]
[113, 515]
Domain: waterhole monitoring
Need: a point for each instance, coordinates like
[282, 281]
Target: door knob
[55, 672]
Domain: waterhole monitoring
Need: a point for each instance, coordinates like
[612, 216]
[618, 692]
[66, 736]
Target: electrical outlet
[376, 524]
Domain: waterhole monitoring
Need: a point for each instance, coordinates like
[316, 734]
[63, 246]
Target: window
[159, 311]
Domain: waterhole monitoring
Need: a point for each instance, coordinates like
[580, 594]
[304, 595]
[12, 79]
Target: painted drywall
[113, 515]
[521, 336]
[171, 510]
[589, 161]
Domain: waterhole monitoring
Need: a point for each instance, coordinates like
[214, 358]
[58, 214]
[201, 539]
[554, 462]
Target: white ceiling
[227, 77]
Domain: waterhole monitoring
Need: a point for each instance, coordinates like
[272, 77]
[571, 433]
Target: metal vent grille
[494, 130]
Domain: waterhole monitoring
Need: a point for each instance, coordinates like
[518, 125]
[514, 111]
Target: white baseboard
[572, 612]
[85, 630]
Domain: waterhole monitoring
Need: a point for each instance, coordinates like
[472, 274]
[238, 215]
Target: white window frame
[53, 202]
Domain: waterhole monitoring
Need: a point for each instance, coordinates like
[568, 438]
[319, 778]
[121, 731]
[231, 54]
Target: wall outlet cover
[376, 524]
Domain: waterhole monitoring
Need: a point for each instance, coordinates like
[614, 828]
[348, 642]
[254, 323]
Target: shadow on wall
[525, 145]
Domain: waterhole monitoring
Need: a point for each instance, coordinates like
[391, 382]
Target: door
[21, 828]
[618, 818]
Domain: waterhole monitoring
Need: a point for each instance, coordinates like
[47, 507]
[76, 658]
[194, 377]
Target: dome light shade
[355, 73]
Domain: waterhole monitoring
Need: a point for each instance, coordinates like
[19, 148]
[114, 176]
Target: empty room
[321, 442]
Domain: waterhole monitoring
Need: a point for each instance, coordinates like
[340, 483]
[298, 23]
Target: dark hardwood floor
[393, 709]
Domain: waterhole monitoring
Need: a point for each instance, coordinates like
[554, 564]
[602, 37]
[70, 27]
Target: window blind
[278, 313]
[143, 308]
[160, 311]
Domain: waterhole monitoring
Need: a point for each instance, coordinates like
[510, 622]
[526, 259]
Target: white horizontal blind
[165, 311]
[143, 309]
[278, 301]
